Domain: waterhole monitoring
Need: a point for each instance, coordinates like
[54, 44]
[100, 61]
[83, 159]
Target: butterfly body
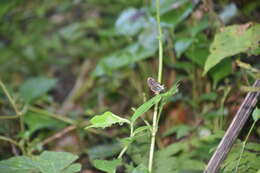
[155, 86]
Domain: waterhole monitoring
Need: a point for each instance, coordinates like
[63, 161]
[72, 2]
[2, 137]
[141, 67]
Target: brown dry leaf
[243, 28]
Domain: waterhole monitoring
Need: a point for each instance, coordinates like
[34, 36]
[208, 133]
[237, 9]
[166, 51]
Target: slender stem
[244, 145]
[18, 113]
[160, 41]
[13, 142]
[154, 130]
[222, 102]
[122, 152]
[11, 100]
[160, 68]
[9, 140]
[126, 147]
[9, 116]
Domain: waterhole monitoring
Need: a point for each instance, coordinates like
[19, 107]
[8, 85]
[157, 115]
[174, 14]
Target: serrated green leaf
[55, 162]
[231, 41]
[36, 87]
[256, 114]
[19, 164]
[145, 107]
[108, 166]
[249, 161]
[47, 162]
[253, 146]
[107, 119]
[220, 71]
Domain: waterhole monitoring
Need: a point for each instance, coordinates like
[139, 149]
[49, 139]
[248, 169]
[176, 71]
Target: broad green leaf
[56, 162]
[231, 41]
[121, 58]
[198, 51]
[107, 119]
[130, 22]
[175, 11]
[104, 150]
[256, 114]
[47, 162]
[145, 107]
[182, 45]
[220, 71]
[37, 121]
[72, 168]
[19, 164]
[108, 166]
[36, 87]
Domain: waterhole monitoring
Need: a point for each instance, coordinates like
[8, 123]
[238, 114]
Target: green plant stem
[160, 68]
[6, 117]
[18, 115]
[244, 145]
[21, 147]
[222, 102]
[154, 130]
[9, 140]
[11, 100]
[126, 147]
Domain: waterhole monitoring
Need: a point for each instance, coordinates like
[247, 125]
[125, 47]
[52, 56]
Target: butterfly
[155, 86]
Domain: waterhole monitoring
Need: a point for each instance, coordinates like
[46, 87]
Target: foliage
[249, 161]
[36, 87]
[47, 162]
[108, 166]
[65, 64]
[244, 38]
[105, 120]
[108, 119]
